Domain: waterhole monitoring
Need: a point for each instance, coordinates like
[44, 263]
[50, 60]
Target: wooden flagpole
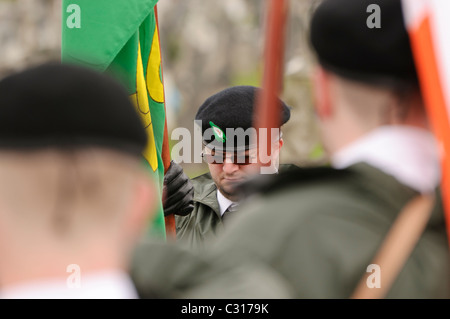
[169, 221]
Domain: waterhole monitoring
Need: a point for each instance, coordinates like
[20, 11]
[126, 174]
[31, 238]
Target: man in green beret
[231, 152]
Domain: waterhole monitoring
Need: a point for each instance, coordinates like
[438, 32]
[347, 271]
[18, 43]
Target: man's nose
[228, 166]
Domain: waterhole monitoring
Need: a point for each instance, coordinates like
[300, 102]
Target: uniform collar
[205, 192]
[224, 202]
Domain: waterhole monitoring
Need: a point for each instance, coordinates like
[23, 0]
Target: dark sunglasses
[219, 158]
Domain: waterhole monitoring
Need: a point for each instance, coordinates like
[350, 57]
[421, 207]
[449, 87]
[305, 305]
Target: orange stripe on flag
[433, 93]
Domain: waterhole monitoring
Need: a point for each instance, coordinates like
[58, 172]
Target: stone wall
[30, 33]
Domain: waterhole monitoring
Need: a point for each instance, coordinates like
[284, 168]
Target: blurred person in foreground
[74, 197]
[321, 228]
[232, 155]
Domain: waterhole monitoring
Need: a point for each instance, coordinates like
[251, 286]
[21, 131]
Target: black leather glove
[178, 192]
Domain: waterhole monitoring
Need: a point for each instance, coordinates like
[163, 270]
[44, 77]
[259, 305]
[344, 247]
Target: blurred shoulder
[167, 270]
[291, 176]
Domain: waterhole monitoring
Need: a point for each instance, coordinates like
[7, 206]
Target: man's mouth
[232, 180]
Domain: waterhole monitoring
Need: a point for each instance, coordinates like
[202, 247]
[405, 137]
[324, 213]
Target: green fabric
[168, 271]
[314, 232]
[121, 38]
[204, 224]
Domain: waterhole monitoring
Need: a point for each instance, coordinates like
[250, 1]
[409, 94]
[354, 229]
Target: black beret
[346, 45]
[58, 105]
[232, 109]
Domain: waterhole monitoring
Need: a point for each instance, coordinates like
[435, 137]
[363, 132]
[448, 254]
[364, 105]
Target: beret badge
[218, 133]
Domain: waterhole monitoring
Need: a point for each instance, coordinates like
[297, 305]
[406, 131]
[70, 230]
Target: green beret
[57, 105]
[232, 110]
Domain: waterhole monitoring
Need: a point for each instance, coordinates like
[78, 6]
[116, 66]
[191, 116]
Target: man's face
[230, 168]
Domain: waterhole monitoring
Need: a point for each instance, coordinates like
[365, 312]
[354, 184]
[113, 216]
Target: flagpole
[169, 221]
[267, 110]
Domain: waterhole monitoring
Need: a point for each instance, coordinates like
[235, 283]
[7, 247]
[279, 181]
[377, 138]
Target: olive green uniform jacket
[320, 229]
[165, 270]
[204, 224]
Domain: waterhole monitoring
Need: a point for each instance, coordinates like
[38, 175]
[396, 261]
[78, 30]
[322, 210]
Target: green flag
[121, 37]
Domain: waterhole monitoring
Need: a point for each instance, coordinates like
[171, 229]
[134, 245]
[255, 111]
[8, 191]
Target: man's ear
[322, 94]
[278, 145]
